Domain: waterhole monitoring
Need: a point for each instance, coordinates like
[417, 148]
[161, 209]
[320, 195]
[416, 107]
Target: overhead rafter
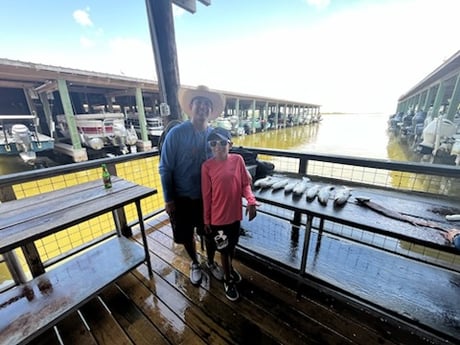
[190, 5]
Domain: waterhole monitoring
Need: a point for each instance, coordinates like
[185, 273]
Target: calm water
[357, 135]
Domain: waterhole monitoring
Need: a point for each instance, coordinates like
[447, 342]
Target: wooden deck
[167, 309]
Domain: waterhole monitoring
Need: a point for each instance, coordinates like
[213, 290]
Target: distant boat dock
[427, 117]
[62, 97]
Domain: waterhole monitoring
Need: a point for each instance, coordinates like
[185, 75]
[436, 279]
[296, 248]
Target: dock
[167, 309]
[61, 96]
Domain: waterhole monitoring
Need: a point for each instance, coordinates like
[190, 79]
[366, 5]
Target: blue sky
[347, 55]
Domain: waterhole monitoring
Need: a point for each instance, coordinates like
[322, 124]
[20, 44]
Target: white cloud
[82, 17]
[318, 3]
[359, 60]
[86, 42]
[178, 11]
[132, 57]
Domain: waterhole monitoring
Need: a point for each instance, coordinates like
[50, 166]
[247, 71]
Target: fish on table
[341, 196]
[290, 186]
[280, 184]
[324, 194]
[312, 192]
[301, 187]
[364, 201]
[264, 182]
[453, 217]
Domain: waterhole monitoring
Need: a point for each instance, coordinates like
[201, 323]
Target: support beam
[454, 100]
[69, 115]
[163, 39]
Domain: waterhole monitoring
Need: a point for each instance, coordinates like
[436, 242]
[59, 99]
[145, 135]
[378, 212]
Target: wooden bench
[34, 306]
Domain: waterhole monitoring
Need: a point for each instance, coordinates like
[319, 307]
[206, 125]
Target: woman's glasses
[222, 143]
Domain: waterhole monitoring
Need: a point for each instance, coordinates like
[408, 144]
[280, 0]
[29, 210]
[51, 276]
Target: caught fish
[341, 196]
[324, 194]
[290, 186]
[399, 216]
[453, 217]
[280, 184]
[302, 186]
[263, 182]
[312, 192]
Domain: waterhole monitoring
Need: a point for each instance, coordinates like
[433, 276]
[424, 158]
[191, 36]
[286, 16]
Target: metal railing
[142, 168]
[429, 179]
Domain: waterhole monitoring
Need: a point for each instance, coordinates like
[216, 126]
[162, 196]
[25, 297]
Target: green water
[357, 135]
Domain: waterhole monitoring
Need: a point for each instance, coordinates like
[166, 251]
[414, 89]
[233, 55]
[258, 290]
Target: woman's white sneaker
[215, 270]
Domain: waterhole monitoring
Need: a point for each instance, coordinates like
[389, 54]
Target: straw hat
[187, 95]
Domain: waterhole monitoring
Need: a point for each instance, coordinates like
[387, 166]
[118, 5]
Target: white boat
[223, 123]
[100, 130]
[19, 136]
[154, 126]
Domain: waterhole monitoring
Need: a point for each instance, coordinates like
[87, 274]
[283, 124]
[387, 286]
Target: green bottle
[106, 177]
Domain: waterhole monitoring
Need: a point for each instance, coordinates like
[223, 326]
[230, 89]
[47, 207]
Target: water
[358, 135]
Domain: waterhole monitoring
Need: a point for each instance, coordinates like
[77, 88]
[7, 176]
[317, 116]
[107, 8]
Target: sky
[346, 55]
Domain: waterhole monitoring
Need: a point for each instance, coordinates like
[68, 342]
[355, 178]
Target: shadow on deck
[167, 309]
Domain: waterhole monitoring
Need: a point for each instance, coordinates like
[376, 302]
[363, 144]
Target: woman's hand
[251, 211]
[207, 229]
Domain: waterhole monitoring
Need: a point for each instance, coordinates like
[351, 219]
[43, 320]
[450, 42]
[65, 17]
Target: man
[184, 150]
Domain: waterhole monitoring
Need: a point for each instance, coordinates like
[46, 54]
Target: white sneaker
[215, 270]
[195, 274]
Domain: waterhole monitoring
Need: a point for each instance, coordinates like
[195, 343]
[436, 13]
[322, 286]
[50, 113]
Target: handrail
[413, 167]
[68, 168]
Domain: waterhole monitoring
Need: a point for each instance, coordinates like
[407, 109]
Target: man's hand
[170, 207]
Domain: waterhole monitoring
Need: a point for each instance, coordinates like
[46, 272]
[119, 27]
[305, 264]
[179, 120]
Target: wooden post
[162, 34]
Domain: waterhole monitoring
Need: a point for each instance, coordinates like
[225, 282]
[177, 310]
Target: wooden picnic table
[41, 302]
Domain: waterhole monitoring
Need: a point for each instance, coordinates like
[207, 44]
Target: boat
[223, 122]
[19, 136]
[98, 131]
[154, 126]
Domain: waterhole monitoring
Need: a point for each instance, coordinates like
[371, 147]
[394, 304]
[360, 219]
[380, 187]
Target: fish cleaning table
[414, 292]
[413, 204]
[30, 308]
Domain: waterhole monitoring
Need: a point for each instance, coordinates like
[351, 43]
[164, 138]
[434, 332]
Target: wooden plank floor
[167, 309]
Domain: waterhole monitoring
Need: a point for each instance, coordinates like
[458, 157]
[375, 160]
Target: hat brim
[214, 136]
[187, 95]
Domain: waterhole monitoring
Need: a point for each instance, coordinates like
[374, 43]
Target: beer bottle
[106, 177]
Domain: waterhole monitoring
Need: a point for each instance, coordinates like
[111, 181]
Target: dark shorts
[233, 234]
[187, 217]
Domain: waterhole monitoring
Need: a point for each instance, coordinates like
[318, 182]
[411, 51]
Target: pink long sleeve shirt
[223, 185]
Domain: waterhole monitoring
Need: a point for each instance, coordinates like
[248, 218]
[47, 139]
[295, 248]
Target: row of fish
[323, 192]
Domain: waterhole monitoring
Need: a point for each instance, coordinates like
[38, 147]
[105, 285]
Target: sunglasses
[222, 143]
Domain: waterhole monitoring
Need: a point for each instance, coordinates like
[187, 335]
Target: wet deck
[167, 309]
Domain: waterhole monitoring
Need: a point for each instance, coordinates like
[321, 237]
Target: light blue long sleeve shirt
[183, 152]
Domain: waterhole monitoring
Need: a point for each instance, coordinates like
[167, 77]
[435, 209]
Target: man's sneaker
[215, 270]
[230, 290]
[195, 273]
[236, 276]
